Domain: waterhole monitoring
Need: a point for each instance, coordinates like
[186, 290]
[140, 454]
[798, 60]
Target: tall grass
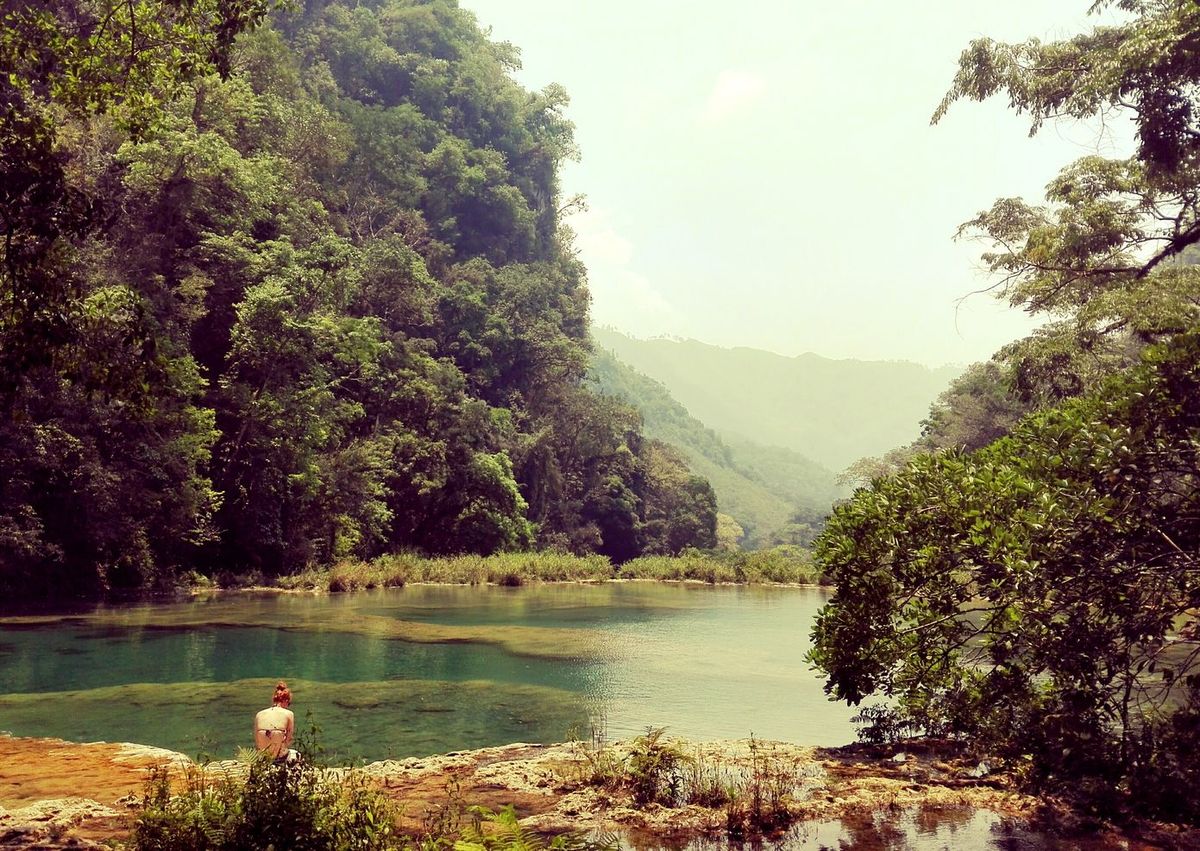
[754, 789]
[393, 571]
[788, 565]
[783, 565]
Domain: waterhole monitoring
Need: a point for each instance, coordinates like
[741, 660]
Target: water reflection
[908, 829]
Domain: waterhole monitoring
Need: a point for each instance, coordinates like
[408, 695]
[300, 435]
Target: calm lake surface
[431, 669]
[426, 669]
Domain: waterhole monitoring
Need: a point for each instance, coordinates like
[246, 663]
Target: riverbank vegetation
[878, 795]
[272, 806]
[254, 803]
[282, 288]
[306, 808]
[1027, 576]
[781, 565]
[752, 791]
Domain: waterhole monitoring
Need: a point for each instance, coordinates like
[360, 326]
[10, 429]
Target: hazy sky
[763, 173]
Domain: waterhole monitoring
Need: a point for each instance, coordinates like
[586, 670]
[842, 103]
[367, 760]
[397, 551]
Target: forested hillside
[775, 495]
[276, 298]
[832, 411]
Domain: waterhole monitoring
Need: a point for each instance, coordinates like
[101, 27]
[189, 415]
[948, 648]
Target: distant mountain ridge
[831, 411]
[776, 495]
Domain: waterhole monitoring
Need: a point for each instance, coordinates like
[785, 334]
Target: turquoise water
[426, 669]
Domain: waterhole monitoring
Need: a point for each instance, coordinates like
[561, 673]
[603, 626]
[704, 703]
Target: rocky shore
[55, 794]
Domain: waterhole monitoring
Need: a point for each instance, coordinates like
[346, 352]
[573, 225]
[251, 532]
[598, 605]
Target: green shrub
[504, 833]
[196, 820]
[297, 807]
[656, 769]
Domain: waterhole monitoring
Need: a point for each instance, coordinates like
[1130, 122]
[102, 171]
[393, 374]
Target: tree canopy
[1099, 249]
[280, 290]
[1027, 575]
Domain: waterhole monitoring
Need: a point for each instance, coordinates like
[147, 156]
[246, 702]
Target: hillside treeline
[769, 496]
[278, 290]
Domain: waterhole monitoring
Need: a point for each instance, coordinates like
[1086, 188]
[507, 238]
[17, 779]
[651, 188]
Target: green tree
[1098, 249]
[68, 59]
[278, 295]
[679, 510]
[104, 476]
[1109, 257]
[1037, 595]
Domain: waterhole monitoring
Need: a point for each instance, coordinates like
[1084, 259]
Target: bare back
[273, 730]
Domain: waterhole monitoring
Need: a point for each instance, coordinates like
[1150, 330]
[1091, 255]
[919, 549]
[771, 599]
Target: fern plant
[656, 769]
[501, 831]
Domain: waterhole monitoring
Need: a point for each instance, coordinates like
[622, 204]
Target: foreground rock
[554, 788]
[56, 794]
[59, 795]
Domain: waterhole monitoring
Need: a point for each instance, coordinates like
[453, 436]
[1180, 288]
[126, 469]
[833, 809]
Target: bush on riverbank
[297, 807]
[778, 565]
[303, 807]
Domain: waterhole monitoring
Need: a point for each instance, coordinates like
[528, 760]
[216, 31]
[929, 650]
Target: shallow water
[426, 669]
[909, 829]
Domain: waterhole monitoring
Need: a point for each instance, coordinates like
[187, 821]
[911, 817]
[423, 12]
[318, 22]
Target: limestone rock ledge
[58, 823]
[55, 794]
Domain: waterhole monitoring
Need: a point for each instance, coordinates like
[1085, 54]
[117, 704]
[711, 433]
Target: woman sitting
[275, 726]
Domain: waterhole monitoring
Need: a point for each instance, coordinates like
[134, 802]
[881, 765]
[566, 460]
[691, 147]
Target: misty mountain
[775, 494]
[831, 411]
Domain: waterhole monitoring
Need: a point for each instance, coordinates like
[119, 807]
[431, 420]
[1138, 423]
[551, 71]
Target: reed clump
[398, 570]
[753, 791]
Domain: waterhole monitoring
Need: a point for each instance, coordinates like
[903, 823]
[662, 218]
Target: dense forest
[284, 286]
[1026, 575]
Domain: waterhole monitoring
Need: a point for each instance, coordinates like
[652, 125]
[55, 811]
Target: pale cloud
[734, 90]
[621, 296]
[597, 240]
